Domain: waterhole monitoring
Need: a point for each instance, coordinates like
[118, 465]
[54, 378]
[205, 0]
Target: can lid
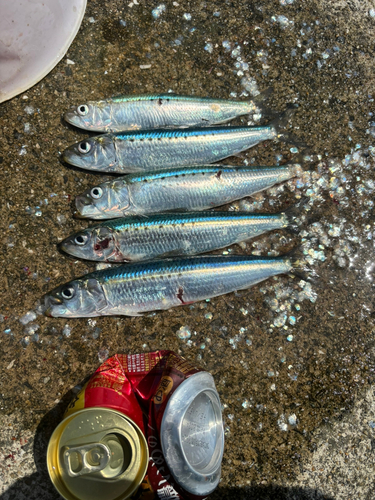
[192, 434]
[97, 453]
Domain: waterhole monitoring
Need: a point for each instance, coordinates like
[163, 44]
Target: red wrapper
[140, 386]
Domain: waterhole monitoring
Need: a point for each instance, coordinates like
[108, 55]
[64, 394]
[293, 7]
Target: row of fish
[152, 191]
[138, 147]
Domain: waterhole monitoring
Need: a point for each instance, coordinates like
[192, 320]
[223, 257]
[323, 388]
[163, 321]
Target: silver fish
[145, 112]
[166, 235]
[132, 152]
[133, 289]
[184, 189]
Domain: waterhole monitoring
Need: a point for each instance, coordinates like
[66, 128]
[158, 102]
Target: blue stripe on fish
[176, 172]
[182, 219]
[176, 266]
[193, 132]
[174, 97]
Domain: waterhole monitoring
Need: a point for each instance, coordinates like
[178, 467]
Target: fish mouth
[74, 155]
[78, 215]
[54, 306]
[73, 158]
[71, 249]
[72, 118]
[48, 312]
[86, 209]
[62, 245]
[55, 312]
[66, 246]
[52, 301]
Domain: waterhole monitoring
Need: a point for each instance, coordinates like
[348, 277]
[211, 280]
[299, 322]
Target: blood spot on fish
[218, 175]
[101, 245]
[180, 294]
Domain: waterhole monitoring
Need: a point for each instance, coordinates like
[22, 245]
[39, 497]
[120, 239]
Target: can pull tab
[86, 459]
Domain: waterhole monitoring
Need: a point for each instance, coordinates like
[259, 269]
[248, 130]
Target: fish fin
[294, 214]
[299, 266]
[260, 101]
[176, 210]
[299, 215]
[301, 158]
[280, 124]
[172, 127]
[263, 96]
[135, 214]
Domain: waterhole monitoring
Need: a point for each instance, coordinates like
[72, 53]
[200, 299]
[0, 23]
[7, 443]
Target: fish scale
[157, 112]
[137, 288]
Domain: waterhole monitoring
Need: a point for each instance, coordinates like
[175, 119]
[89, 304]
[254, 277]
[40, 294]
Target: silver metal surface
[192, 434]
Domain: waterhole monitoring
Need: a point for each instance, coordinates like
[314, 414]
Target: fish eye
[81, 239]
[96, 192]
[68, 292]
[83, 109]
[84, 147]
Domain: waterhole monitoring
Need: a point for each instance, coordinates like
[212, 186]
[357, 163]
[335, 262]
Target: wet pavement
[293, 361]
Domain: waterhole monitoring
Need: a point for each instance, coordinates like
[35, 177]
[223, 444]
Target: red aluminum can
[176, 407]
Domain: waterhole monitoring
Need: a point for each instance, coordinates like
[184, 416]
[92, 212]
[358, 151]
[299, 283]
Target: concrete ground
[293, 361]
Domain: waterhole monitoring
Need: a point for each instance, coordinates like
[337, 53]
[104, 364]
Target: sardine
[134, 152]
[166, 235]
[145, 112]
[133, 289]
[184, 189]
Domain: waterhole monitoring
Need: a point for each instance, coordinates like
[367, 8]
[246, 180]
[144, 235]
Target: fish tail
[260, 102]
[294, 215]
[298, 265]
[300, 215]
[301, 157]
[299, 165]
[296, 170]
[280, 127]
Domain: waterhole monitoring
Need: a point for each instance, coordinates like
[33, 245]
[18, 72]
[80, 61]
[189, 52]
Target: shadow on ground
[38, 486]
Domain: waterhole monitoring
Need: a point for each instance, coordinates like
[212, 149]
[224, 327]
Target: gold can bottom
[97, 453]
